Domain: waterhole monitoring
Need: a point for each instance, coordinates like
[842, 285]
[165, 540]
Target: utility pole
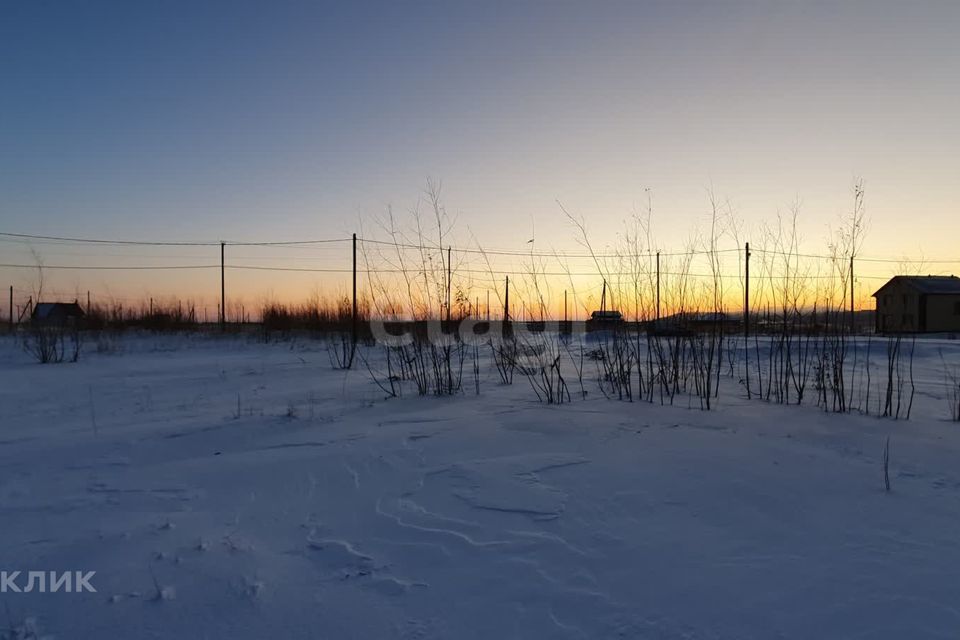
[449, 285]
[488, 305]
[853, 322]
[11, 308]
[353, 317]
[223, 290]
[88, 301]
[506, 302]
[746, 315]
[746, 292]
[658, 285]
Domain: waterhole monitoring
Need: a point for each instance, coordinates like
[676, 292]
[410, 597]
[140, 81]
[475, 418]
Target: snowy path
[268, 496]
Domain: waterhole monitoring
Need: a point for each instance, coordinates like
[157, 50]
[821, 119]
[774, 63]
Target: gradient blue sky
[267, 120]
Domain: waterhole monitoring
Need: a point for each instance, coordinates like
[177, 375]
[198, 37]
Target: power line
[289, 243]
[109, 268]
[21, 237]
[397, 270]
[27, 236]
[539, 254]
[404, 245]
[856, 258]
[178, 243]
[499, 272]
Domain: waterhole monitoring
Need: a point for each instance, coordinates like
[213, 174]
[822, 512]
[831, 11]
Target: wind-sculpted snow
[229, 489]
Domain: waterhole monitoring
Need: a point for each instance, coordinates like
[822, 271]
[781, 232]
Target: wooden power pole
[853, 322]
[746, 314]
[223, 289]
[746, 291]
[506, 302]
[658, 285]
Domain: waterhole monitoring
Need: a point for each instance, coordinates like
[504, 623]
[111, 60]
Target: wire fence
[554, 283]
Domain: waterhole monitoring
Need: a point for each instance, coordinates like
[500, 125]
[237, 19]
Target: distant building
[58, 314]
[918, 304]
[604, 320]
[612, 317]
[690, 323]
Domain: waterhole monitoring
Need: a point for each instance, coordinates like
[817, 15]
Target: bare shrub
[951, 383]
[504, 357]
[538, 359]
[894, 390]
[50, 344]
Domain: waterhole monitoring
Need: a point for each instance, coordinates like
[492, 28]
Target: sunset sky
[270, 121]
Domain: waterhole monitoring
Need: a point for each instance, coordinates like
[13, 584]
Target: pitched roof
[44, 310]
[926, 284]
[608, 314]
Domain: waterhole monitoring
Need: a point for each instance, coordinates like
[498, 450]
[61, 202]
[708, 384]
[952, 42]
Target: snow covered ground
[222, 488]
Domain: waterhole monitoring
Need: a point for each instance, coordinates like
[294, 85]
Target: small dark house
[604, 319]
[58, 314]
[918, 304]
[607, 316]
